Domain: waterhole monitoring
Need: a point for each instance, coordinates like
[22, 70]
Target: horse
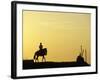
[38, 53]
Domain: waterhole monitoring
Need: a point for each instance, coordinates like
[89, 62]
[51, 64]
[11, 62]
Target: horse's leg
[34, 58]
[43, 59]
[37, 59]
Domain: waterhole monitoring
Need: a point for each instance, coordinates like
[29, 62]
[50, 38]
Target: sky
[62, 33]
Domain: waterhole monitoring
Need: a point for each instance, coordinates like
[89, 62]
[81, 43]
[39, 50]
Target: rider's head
[40, 43]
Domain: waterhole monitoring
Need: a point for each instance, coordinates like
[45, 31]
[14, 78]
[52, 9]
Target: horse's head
[45, 51]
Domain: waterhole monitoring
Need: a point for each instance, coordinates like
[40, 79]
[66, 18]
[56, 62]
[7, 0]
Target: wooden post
[85, 55]
[82, 51]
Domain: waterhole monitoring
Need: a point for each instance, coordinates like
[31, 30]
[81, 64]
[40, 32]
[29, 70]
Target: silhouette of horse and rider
[41, 52]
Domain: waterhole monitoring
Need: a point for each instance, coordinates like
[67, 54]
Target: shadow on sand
[29, 64]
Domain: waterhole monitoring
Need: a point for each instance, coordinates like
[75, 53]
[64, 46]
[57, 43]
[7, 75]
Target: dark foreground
[29, 64]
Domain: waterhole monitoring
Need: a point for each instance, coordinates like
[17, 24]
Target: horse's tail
[34, 56]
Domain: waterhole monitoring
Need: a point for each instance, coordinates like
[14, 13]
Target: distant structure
[80, 58]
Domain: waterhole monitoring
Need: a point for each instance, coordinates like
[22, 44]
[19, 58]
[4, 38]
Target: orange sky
[61, 33]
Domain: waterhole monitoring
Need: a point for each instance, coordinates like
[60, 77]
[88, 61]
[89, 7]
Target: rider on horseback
[41, 52]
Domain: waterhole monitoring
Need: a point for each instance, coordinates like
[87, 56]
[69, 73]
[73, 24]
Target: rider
[40, 46]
